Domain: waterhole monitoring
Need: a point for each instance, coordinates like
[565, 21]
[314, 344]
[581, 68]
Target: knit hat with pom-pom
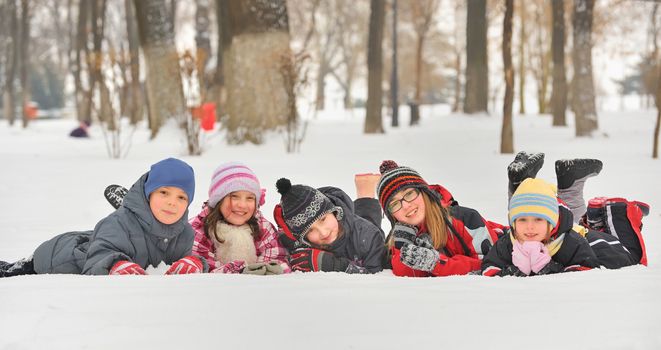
[302, 206]
[395, 178]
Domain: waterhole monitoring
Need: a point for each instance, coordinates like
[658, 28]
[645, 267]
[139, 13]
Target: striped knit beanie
[534, 197]
[395, 178]
[302, 206]
[231, 177]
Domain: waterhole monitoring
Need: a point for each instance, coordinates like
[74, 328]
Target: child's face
[408, 207]
[324, 231]
[531, 228]
[238, 207]
[168, 204]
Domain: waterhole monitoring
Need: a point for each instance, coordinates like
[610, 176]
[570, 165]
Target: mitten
[274, 268]
[287, 242]
[124, 267]
[186, 265]
[539, 257]
[403, 234]
[263, 268]
[258, 268]
[310, 259]
[552, 267]
[424, 240]
[521, 257]
[419, 258]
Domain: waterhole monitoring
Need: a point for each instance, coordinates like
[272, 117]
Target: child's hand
[419, 258]
[530, 256]
[124, 267]
[366, 185]
[403, 234]
[539, 258]
[183, 266]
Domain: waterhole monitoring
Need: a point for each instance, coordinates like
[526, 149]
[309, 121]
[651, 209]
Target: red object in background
[31, 110]
[206, 114]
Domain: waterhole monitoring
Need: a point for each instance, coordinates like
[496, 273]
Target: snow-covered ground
[50, 183]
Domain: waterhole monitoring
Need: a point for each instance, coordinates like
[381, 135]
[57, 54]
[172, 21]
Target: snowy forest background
[270, 65]
[305, 89]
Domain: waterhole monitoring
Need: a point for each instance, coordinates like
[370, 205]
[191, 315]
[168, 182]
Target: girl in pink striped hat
[231, 233]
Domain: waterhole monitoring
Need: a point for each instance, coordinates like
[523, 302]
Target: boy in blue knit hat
[149, 228]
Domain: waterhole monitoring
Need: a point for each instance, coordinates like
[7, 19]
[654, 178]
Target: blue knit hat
[171, 172]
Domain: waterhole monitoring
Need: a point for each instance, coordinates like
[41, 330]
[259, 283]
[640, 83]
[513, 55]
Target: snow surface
[50, 183]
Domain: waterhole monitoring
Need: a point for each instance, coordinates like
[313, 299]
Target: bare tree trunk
[322, 72]
[655, 147]
[543, 53]
[12, 63]
[507, 134]
[257, 92]
[394, 72]
[373, 119]
[137, 99]
[559, 93]
[583, 96]
[523, 38]
[477, 65]
[657, 64]
[25, 59]
[457, 82]
[96, 78]
[423, 12]
[203, 45]
[164, 87]
[224, 41]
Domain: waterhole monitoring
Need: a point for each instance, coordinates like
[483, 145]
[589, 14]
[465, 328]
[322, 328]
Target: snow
[50, 184]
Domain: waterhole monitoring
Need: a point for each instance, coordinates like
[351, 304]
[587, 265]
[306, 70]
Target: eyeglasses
[409, 197]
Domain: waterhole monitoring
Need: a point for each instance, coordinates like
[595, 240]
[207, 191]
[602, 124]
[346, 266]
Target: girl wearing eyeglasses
[431, 235]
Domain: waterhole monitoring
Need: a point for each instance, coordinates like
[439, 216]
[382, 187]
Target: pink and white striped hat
[231, 177]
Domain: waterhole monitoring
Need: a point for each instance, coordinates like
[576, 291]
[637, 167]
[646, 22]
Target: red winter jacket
[469, 238]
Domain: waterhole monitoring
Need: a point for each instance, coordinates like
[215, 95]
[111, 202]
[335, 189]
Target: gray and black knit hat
[302, 206]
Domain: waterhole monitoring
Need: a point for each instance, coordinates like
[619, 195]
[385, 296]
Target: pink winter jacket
[267, 246]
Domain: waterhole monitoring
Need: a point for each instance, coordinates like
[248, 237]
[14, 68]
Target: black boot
[21, 267]
[115, 195]
[572, 174]
[523, 166]
[570, 170]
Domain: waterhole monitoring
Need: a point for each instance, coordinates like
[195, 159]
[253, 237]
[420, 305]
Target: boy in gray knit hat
[323, 232]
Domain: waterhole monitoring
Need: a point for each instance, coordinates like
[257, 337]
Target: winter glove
[263, 268]
[551, 267]
[288, 243]
[419, 258]
[310, 259]
[529, 256]
[124, 267]
[403, 234]
[186, 265]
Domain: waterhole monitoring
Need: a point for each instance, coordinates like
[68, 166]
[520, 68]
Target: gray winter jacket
[131, 233]
[363, 241]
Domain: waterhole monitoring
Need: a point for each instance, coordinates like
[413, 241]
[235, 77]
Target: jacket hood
[565, 221]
